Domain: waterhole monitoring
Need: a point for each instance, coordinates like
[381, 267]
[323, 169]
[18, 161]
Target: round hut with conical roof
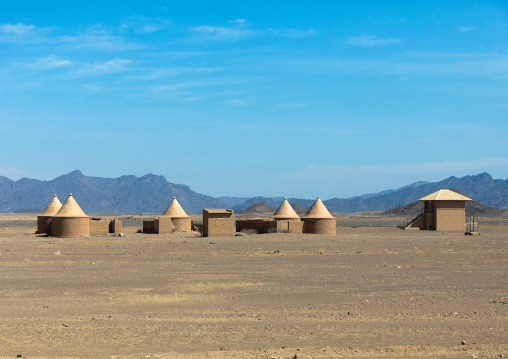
[318, 220]
[70, 220]
[44, 220]
[180, 219]
[285, 212]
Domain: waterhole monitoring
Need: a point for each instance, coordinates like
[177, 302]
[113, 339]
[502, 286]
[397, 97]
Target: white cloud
[416, 64]
[23, 33]
[293, 33]
[48, 63]
[159, 73]
[144, 25]
[105, 68]
[369, 41]
[221, 33]
[466, 28]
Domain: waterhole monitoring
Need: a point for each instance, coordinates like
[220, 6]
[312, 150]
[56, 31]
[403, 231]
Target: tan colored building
[174, 219]
[181, 221]
[45, 219]
[443, 210]
[284, 220]
[318, 220]
[218, 222]
[70, 220]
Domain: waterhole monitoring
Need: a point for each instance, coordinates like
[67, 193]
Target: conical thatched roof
[318, 210]
[174, 210]
[52, 208]
[285, 211]
[445, 195]
[70, 209]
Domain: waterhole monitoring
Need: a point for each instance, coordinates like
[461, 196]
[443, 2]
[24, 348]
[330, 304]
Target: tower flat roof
[445, 195]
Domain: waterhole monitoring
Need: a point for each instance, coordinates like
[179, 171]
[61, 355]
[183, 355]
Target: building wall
[148, 226]
[450, 215]
[218, 224]
[99, 226]
[260, 225]
[44, 224]
[182, 224]
[319, 225]
[115, 227]
[70, 226]
[163, 225]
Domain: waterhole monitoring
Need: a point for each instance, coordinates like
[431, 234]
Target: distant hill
[299, 209]
[152, 194]
[258, 208]
[482, 188]
[125, 194]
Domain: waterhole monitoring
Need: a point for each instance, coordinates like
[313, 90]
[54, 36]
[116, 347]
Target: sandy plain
[367, 292]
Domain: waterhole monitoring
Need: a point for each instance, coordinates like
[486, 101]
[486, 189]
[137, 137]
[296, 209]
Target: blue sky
[274, 98]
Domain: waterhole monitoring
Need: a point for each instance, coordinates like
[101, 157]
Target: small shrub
[139, 231]
[249, 231]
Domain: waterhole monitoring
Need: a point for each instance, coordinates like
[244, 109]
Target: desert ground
[368, 292]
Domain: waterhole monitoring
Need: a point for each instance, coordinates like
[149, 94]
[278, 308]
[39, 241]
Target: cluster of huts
[444, 210]
[69, 220]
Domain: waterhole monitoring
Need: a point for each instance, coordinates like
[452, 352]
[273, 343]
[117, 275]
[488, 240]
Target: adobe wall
[162, 225]
[44, 224]
[182, 224]
[450, 216]
[260, 225]
[319, 225]
[70, 227]
[115, 227]
[218, 224]
[295, 226]
[99, 226]
[148, 226]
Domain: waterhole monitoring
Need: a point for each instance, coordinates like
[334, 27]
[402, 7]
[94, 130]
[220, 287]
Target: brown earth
[365, 292]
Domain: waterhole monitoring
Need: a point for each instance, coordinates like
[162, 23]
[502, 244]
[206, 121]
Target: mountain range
[153, 193]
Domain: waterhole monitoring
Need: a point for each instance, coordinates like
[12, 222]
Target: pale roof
[318, 210]
[174, 210]
[445, 195]
[285, 211]
[53, 207]
[70, 209]
[218, 210]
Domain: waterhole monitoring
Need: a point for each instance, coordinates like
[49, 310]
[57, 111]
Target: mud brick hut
[174, 219]
[218, 222]
[70, 220]
[44, 219]
[181, 221]
[444, 210]
[318, 220]
[284, 220]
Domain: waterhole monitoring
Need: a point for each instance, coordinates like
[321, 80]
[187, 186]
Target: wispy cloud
[370, 41]
[416, 64]
[160, 73]
[466, 28]
[48, 63]
[144, 25]
[105, 68]
[239, 30]
[97, 37]
[293, 33]
[23, 33]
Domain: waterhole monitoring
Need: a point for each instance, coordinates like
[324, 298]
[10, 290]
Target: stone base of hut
[320, 226]
[105, 226]
[44, 224]
[70, 227]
